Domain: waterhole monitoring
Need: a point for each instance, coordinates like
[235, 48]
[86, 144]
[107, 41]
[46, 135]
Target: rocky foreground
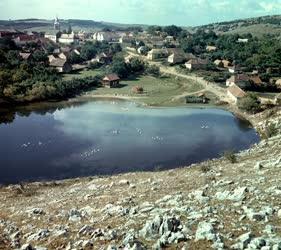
[212, 205]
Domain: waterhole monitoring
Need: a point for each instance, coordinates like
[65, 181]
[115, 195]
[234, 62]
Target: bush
[250, 103]
[230, 156]
[152, 70]
[205, 168]
[271, 131]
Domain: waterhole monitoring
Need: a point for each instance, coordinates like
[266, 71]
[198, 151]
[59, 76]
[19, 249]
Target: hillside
[41, 25]
[257, 26]
[212, 205]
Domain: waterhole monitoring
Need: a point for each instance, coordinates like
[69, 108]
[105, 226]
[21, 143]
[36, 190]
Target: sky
[159, 12]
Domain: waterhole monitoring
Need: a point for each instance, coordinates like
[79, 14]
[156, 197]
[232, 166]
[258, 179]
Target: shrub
[152, 70]
[271, 131]
[230, 156]
[250, 103]
[205, 168]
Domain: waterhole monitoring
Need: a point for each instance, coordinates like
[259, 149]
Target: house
[106, 36]
[64, 55]
[218, 63]
[169, 39]
[102, 58]
[126, 39]
[141, 50]
[176, 56]
[52, 36]
[277, 99]
[9, 33]
[240, 79]
[189, 56]
[210, 48]
[156, 54]
[234, 69]
[278, 83]
[25, 56]
[196, 63]
[235, 93]
[25, 39]
[254, 78]
[226, 63]
[242, 40]
[222, 63]
[61, 65]
[68, 38]
[111, 81]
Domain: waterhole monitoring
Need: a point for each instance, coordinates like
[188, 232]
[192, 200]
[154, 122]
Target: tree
[69, 30]
[250, 103]
[74, 58]
[137, 65]
[152, 70]
[88, 51]
[154, 29]
[119, 67]
[172, 30]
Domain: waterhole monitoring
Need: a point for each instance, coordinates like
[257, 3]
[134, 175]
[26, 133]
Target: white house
[235, 93]
[106, 36]
[68, 38]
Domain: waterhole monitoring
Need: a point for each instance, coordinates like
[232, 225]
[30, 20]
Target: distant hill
[256, 26]
[76, 24]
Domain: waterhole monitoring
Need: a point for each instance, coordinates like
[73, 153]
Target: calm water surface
[104, 137]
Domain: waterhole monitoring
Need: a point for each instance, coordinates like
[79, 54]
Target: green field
[83, 74]
[161, 91]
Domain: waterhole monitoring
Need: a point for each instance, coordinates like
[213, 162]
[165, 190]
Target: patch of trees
[33, 79]
[135, 66]
[90, 49]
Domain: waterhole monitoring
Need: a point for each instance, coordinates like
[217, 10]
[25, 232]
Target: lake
[109, 137]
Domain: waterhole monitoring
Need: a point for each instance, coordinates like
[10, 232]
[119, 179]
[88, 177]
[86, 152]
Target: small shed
[111, 81]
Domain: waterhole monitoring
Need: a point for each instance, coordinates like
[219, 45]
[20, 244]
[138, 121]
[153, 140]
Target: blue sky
[161, 12]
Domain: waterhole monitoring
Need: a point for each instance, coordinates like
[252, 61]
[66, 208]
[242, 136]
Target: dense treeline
[134, 66]
[30, 80]
[257, 53]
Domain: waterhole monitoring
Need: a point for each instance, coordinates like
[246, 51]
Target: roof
[236, 91]
[256, 79]
[25, 56]
[197, 61]
[278, 82]
[67, 36]
[57, 62]
[211, 48]
[111, 77]
[239, 78]
[176, 51]
[25, 37]
[158, 51]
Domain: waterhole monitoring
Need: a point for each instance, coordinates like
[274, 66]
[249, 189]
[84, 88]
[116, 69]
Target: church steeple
[57, 23]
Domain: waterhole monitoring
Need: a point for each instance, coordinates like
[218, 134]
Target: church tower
[56, 24]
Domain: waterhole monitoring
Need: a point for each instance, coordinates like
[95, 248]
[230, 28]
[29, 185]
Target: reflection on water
[99, 138]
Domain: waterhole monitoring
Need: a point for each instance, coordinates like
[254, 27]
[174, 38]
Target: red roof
[111, 77]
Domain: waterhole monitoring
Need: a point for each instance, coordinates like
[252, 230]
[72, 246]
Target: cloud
[163, 12]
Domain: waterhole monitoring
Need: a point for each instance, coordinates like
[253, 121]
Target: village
[158, 49]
